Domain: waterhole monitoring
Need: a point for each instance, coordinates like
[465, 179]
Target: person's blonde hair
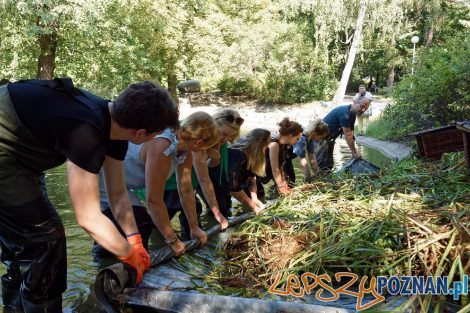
[253, 145]
[220, 119]
[317, 127]
[200, 126]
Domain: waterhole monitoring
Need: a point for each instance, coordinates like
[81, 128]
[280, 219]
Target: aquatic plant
[411, 219]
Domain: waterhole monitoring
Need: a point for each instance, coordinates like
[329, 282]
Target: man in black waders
[42, 125]
[341, 120]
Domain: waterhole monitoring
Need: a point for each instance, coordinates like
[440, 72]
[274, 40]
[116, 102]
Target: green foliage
[277, 51]
[441, 85]
[398, 122]
[298, 87]
[238, 87]
[436, 94]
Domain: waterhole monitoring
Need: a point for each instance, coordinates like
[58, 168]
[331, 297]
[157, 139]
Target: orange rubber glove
[134, 261]
[136, 241]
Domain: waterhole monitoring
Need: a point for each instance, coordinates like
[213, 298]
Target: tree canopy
[277, 51]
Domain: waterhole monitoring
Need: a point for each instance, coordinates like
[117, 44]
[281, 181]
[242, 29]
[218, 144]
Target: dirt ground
[266, 116]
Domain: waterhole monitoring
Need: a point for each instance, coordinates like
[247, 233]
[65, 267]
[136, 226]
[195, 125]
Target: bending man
[42, 125]
[341, 120]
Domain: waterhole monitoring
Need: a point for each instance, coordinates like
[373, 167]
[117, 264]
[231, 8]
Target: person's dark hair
[145, 105]
[288, 127]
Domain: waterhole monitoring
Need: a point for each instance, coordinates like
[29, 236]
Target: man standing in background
[363, 120]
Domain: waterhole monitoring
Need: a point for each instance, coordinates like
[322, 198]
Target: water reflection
[342, 154]
[82, 268]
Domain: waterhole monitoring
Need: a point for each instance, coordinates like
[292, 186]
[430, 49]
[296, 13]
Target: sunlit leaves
[275, 44]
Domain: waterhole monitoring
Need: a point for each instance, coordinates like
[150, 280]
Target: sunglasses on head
[232, 119]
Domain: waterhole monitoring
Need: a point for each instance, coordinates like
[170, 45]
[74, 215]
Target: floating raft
[165, 289]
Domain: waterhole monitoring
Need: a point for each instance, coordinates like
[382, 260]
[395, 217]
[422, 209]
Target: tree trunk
[172, 82]
[390, 76]
[339, 96]
[429, 35]
[48, 47]
[391, 65]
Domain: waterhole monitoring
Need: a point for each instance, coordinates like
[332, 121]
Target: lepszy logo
[405, 285]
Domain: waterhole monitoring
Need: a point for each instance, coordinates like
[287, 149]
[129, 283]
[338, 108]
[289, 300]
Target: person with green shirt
[228, 122]
[148, 166]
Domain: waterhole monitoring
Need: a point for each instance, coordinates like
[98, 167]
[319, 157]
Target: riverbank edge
[393, 150]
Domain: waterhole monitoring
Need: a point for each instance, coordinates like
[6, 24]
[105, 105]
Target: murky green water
[82, 268]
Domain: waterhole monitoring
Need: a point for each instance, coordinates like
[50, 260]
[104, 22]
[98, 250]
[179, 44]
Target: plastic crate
[432, 143]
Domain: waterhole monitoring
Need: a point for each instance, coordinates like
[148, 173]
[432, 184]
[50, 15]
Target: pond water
[82, 267]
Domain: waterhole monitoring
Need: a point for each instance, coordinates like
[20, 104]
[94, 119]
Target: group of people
[132, 165]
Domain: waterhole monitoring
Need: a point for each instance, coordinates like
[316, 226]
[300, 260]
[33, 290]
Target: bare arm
[254, 194]
[157, 166]
[313, 162]
[349, 136]
[274, 159]
[252, 188]
[252, 201]
[83, 189]
[304, 166]
[202, 173]
[186, 193]
[117, 195]
[245, 199]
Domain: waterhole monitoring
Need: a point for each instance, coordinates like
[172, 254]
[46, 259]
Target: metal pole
[413, 62]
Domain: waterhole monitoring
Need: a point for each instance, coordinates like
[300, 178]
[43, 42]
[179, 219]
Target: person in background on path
[363, 120]
[315, 132]
[147, 168]
[373, 86]
[229, 122]
[340, 121]
[289, 134]
[44, 123]
[247, 162]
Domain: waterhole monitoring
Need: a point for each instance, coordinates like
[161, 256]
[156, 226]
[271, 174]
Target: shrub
[237, 87]
[436, 94]
[298, 87]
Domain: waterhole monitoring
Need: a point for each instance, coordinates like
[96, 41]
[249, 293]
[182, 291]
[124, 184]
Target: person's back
[339, 117]
[340, 120]
[43, 124]
[55, 118]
